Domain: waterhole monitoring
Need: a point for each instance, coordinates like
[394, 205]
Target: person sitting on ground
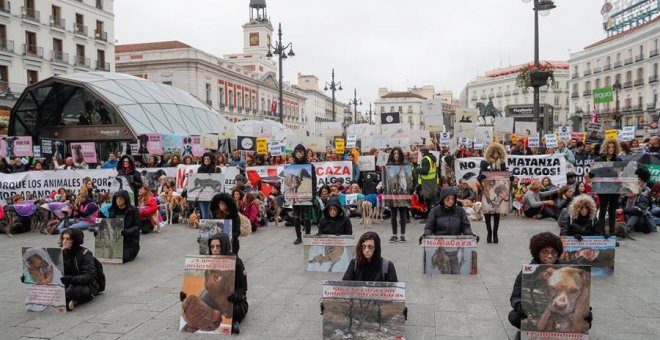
[250, 208]
[546, 248]
[242, 184]
[418, 206]
[464, 194]
[351, 206]
[334, 221]
[534, 207]
[85, 213]
[148, 210]
[223, 207]
[368, 264]
[80, 281]
[122, 208]
[579, 218]
[447, 218]
[566, 194]
[547, 184]
[238, 197]
[635, 207]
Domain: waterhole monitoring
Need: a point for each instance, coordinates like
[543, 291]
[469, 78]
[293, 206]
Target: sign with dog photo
[208, 228]
[450, 255]
[556, 299]
[84, 152]
[328, 253]
[109, 245]
[43, 269]
[398, 186]
[202, 187]
[207, 282]
[614, 177]
[20, 146]
[297, 184]
[363, 310]
[595, 251]
[497, 192]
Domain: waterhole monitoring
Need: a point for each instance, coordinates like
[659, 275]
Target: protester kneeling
[122, 208]
[80, 275]
[334, 221]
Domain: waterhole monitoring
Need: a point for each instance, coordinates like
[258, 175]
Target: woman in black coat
[334, 221]
[396, 158]
[126, 168]
[79, 270]
[368, 264]
[121, 208]
[207, 167]
[608, 202]
[223, 207]
[579, 218]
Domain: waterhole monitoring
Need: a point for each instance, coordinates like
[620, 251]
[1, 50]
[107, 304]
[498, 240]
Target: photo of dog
[187, 146]
[9, 146]
[474, 213]
[328, 253]
[193, 219]
[143, 141]
[366, 210]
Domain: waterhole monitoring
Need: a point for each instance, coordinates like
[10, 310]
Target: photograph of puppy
[187, 146]
[9, 146]
[143, 140]
[474, 213]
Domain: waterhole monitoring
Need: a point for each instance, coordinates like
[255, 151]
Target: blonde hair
[535, 186]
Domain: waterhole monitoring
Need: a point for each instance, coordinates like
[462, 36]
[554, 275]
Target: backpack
[100, 276]
[383, 270]
[246, 226]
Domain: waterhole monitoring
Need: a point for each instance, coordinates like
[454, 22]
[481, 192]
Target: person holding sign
[303, 213]
[334, 221]
[80, 276]
[126, 168]
[122, 208]
[608, 202]
[396, 158]
[223, 207]
[427, 175]
[207, 167]
[579, 219]
[447, 218]
[494, 160]
[368, 264]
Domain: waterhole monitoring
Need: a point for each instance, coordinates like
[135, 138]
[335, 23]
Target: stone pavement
[141, 300]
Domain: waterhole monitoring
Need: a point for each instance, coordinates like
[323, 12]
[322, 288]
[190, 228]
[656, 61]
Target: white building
[500, 87]
[318, 106]
[631, 57]
[409, 104]
[44, 38]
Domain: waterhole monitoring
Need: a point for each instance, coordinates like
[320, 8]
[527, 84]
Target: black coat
[133, 176]
[132, 223]
[583, 226]
[443, 221]
[372, 270]
[79, 265]
[211, 168]
[339, 225]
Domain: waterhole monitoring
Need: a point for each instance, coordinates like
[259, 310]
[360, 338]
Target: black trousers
[235, 245]
[302, 213]
[145, 226]
[79, 294]
[240, 311]
[608, 204]
[403, 213]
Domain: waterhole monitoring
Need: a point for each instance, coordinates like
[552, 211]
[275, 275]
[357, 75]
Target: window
[640, 73]
[79, 26]
[3, 37]
[410, 108]
[618, 57]
[597, 83]
[607, 60]
[231, 99]
[100, 32]
[608, 82]
[382, 109]
[4, 78]
[56, 17]
[31, 43]
[100, 59]
[401, 109]
[391, 108]
[628, 76]
[221, 96]
[32, 77]
[208, 94]
[99, 4]
[641, 50]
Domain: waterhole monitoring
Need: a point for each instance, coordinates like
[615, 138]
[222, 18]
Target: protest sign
[262, 146]
[381, 158]
[202, 187]
[42, 272]
[397, 184]
[210, 141]
[547, 287]
[44, 183]
[465, 130]
[317, 144]
[533, 142]
[465, 115]
[579, 136]
[550, 140]
[197, 148]
[655, 172]
[525, 129]
[52, 148]
[526, 168]
[172, 144]
[581, 167]
[612, 134]
[389, 130]
[627, 134]
[483, 135]
[328, 253]
[351, 141]
[594, 251]
[109, 244]
[211, 277]
[150, 143]
[274, 148]
[246, 143]
[208, 228]
[297, 184]
[503, 125]
[387, 118]
[265, 177]
[363, 310]
[614, 177]
[330, 172]
[182, 173]
[377, 142]
[84, 152]
[361, 130]
[331, 129]
[445, 138]
[156, 177]
[449, 254]
[367, 163]
[564, 133]
[20, 146]
[339, 146]
[36, 151]
[496, 192]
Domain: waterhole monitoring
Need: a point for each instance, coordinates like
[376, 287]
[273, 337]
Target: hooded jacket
[338, 225]
[372, 270]
[207, 169]
[240, 280]
[232, 212]
[390, 158]
[303, 160]
[131, 230]
[79, 265]
[447, 221]
[133, 176]
[571, 223]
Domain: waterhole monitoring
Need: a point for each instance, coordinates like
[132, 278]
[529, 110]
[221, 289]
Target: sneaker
[393, 239]
[402, 238]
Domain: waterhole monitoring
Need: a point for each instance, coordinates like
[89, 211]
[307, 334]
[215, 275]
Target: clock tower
[258, 32]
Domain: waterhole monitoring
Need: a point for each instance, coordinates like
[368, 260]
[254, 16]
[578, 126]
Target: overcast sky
[375, 43]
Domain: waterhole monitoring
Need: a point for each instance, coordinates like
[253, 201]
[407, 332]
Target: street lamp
[370, 113]
[617, 87]
[355, 102]
[542, 7]
[334, 87]
[280, 50]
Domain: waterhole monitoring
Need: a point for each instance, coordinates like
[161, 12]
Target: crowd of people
[440, 202]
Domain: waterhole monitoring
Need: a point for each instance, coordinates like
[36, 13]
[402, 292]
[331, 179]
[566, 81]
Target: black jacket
[240, 280]
[303, 160]
[79, 264]
[443, 221]
[211, 168]
[232, 212]
[582, 226]
[133, 176]
[372, 270]
[339, 225]
[131, 230]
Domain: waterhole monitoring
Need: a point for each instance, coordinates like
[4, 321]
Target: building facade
[409, 104]
[500, 87]
[318, 106]
[631, 58]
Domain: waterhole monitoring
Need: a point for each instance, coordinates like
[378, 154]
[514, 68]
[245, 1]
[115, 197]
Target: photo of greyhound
[9, 146]
[143, 140]
[330, 254]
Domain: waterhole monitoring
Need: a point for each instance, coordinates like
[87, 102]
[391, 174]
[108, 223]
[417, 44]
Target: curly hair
[543, 240]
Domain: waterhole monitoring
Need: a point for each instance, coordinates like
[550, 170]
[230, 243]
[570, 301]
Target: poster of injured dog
[43, 269]
[450, 255]
[556, 299]
[328, 253]
[398, 186]
[207, 282]
[20, 146]
[208, 228]
[202, 187]
[109, 245]
[595, 251]
[363, 310]
[496, 192]
[614, 178]
[367, 163]
[297, 184]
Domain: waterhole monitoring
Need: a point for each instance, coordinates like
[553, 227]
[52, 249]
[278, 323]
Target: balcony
[627, 84]
[33, 51]
[626, 108]
[483, 96]
[617, 64]
[653, 79]
[628, 61]
[31, 14]
[81, 61]
[516, 92]
[639, 58]
[80, 29]
[239, 109]
[473, 98]
[639, 107]
[586, 93]
[409, 111]
[231, 108]
[56, 22]
[103, 36]
[6, 45]
[102, 65]
[597, 70]
[587, 72]
[607, 67]
[650, 106]
[575, 75]
[222, 106]
[5, 7]
[575, 94]
[639, 82]
[653, 53]
[499, 94]
[507, 93]
[60, 57]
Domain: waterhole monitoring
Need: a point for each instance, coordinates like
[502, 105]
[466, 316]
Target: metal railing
[650, 106]
[102, 65]
[586, 93]
[499, 94]
[60, 56]
[574, 75]
[101, 35]
[575, 95]
[33, 50]
[81, 61]
[57, 22]
[628, 61]
[639, 58]
[587, 72]
[653, 79]
[597, 70]
[627, 84]
[617, 64]
[30, 14]
[79, 29]
[653, 53]
[6, 45]
[607, 67]
[639, 82]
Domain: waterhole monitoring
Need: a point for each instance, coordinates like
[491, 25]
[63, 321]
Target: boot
[497, 226]
[296, 224]
[489, 237]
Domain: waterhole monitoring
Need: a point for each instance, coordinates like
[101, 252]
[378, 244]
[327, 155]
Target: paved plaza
[141, 299]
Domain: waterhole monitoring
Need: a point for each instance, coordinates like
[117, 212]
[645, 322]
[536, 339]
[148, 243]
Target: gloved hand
[322, 308]
[589, 318]
[233, 298]
[405, 313]
[578, 237]
[66, 280]
[477, 237]
[420, 239]
[521, 312]
[182, 296]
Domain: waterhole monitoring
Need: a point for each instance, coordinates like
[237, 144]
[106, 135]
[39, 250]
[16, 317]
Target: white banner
[367, 163]
[42, 183]
[526, 168]
[329, 172]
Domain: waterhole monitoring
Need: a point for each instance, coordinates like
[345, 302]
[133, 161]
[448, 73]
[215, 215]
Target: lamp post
[334, 87]
[280, 50]
[543, 8]
[617, 87]
[355, 102]
[370, 113]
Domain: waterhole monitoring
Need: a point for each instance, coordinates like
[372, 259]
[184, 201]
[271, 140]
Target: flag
[273, 107]
[653, 125]
[390, 118]
[594, 116]
[264, 179]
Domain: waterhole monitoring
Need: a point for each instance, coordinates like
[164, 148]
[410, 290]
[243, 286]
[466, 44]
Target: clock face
[254, 39]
